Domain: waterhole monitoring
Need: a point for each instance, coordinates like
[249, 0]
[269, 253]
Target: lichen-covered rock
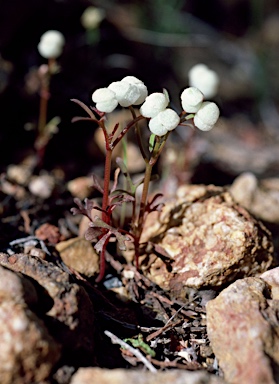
[119, 376]
[243, 328]
[203, 239]
[28, 352]
[70, 312]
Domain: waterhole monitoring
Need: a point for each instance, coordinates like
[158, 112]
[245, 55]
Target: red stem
[102, 262]
[107, 170]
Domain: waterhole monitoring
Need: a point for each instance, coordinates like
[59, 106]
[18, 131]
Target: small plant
[50, 47]
[162, 120]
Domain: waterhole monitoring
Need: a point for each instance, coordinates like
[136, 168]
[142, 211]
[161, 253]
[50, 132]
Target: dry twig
[134, 351]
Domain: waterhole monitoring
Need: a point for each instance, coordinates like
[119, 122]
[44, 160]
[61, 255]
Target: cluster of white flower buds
[132, 91]
[206, 112]
[129, 91]
[51, 44]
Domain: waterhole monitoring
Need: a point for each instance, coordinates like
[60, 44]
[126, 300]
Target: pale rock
[271, 277]
[260, 197]
[28, 352]
[19, 173]
[41, 186]
[81, 187]
[243, 329]
[120, 376]
[68, 304]
[203, 239]
[78, 253]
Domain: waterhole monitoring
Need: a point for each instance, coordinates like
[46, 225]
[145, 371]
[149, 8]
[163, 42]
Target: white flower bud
[207, 116]
[51, 44]
[92, 17]
[191, 99]
[154, 103]
[126, 94]
[141, 87]
[165, 121]
[105, 100]
[203, 78]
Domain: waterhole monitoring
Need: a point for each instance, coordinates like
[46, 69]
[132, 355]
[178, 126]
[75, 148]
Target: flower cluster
[132, 91]
[206, 112]
[51, 44]
[129, 91]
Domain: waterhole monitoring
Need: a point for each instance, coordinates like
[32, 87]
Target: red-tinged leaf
[102, 242]
[154, 205]
[80, 118]
[83, 106]
[92, 234]
[96, 184]
[121, 241]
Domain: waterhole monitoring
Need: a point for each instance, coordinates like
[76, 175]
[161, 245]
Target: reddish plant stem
[102, 262]
[107, 170]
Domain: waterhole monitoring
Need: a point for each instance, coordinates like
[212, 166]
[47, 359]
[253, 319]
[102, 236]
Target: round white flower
[141, 87]
[203, 78]
[165, 121]
[126, 94]
[51, 44]
[92, 17]
[191, 99]
[154, 103]
[207, 116]
[105, 100]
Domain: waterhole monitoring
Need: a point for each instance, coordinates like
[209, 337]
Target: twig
[134, 351]
[163, 329]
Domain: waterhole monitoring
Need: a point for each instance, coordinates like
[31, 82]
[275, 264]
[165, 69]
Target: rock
[271, 277]
[81, 187]
[70, 313]
[243, 329]
[42, 186]
[203, 239]
[79, 254]
[120, 376]
[261, 198]
[28, 352]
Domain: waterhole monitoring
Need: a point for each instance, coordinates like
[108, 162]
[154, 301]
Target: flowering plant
[161, 120]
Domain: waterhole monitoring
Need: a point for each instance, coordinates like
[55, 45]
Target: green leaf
[139, 343]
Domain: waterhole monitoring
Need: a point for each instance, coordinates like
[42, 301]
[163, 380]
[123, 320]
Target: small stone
[203, 239]
[243, 329]
[19, 173]
[260, 197]
[120, 376]
[79, 254]
[71, 315]
[41, 186]
[28, 352]
[81, 187]
[271, 277]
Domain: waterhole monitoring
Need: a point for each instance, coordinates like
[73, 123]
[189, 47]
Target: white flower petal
[140, 86]
[207, 116]
[51, 44]
[165, 121]
[157, 127]
[169, 118]
[105, 100]
[191, 99]
[154, 103]
[126, 93]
